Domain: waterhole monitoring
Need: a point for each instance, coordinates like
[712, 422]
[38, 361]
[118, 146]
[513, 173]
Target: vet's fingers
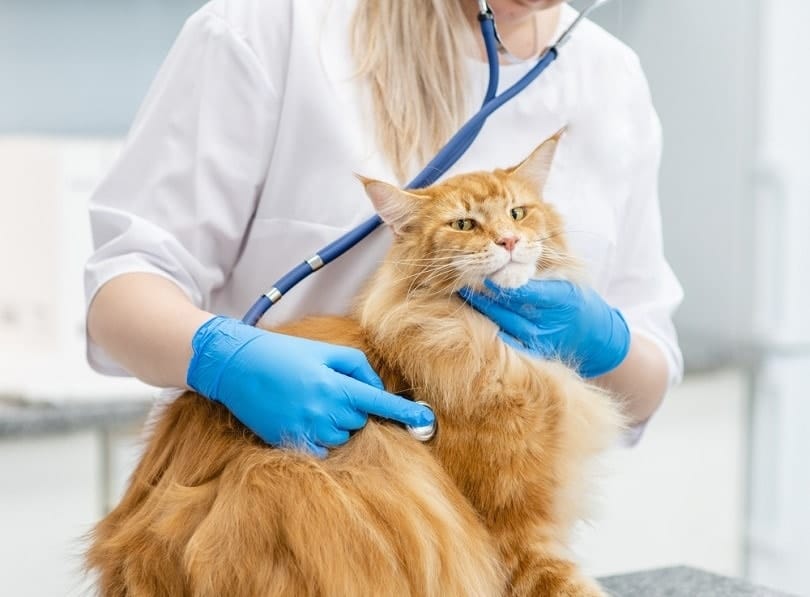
[332, 438]
[350, 419]
[380, 403]
[509, 321]
[540, 293]
[353, 363]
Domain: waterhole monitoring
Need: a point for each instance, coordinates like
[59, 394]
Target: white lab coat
[240, 165]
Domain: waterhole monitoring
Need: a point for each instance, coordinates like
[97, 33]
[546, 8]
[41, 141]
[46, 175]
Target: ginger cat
[484, 508]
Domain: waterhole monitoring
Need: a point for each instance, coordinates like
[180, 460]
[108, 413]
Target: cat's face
[472, 227]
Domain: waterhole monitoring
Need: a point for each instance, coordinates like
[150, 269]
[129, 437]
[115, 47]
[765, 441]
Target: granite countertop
[681, 581]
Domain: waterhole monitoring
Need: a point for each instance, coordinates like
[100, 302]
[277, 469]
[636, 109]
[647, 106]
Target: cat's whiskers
[552, 257]
[453, 294]
[409, 390]
[423, 263]
[440, 252]
[424, 276]
[434, 278]
[416, 269]
[421, 260]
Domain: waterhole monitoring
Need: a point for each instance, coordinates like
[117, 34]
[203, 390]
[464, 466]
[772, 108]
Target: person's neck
[524, 35]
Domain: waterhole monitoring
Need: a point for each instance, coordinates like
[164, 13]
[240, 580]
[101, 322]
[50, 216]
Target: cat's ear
[537, 166]
[394, 205]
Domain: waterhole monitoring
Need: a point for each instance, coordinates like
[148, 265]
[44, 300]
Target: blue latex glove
[557, 319]
[292, 391]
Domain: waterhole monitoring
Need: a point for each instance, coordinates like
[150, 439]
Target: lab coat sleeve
[181, 196]
[642, 285]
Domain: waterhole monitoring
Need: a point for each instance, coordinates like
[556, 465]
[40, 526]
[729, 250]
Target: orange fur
[482, 509]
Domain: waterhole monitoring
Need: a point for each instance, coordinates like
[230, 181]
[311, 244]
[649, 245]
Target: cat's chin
[513, 275]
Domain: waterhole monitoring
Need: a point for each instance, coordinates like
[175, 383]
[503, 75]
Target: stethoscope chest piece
[426, 432]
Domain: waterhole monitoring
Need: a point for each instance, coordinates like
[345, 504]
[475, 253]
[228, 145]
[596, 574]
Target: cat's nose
[508, 242]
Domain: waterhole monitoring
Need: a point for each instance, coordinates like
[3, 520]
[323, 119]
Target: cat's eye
[463, 225]
[518, 213]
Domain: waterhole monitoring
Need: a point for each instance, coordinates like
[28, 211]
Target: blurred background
[720, 481]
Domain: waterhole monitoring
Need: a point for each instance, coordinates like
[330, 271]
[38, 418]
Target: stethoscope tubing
[443, 161]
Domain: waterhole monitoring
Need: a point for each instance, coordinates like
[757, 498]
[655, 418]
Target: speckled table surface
[681, 581]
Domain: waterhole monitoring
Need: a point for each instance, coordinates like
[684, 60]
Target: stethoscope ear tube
[443, 161]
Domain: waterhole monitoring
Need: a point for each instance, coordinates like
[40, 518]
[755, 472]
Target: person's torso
[325, 135]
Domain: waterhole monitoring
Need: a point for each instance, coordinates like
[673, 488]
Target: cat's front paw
[581, 587]
[553, 578]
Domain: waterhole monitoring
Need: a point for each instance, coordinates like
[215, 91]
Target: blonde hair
[411, 55]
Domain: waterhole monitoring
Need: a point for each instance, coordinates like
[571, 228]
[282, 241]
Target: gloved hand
[557, 319]
[292, 391]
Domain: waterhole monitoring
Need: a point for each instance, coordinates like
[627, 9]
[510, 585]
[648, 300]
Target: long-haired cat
[484, 508]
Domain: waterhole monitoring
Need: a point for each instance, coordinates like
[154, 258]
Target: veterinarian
[239, 164]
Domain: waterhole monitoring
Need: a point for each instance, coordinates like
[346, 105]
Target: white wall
[81, 66]
[45, 184]
[678, 497]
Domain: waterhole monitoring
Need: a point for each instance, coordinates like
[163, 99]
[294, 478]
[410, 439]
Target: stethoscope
[443, 161]
[447, 156]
